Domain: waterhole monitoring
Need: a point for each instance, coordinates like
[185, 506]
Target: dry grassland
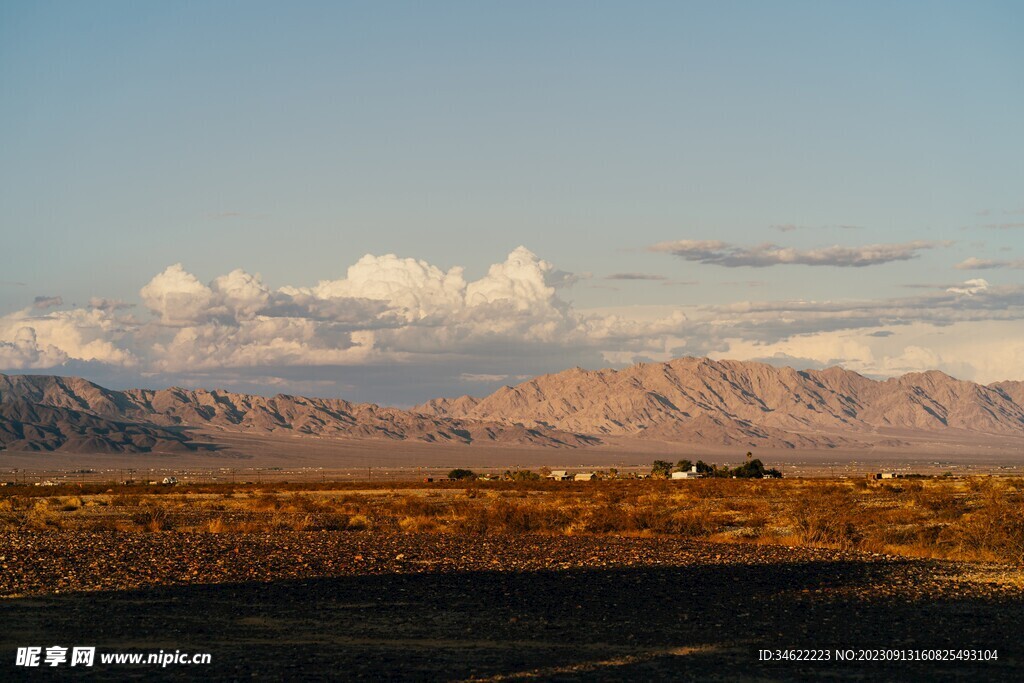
[974, 519]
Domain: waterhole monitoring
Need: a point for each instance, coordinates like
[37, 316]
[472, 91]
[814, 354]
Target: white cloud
[386, 309]
[46, 340]
[177, 296]
[416, 288]
[521, 281]
[241, 293]
[23, 351]
[970, 287]
[981, 352]
[974, 263]
[404, 319]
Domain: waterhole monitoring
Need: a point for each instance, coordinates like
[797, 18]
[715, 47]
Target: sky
[390, 201]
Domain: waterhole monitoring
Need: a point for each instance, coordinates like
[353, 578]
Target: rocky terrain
[697, 400]
[365, 605]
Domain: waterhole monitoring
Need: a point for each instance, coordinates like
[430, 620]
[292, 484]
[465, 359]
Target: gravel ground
[348, 605]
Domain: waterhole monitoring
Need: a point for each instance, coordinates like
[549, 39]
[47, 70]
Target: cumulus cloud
[22, 351]
[177, 296]
[523, 280]
[34, 340]
[415, 287]
[391, 320]
[386, 308]
[719, 253]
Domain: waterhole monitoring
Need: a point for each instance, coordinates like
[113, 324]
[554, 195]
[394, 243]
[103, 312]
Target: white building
[687, 474]
[584, 476]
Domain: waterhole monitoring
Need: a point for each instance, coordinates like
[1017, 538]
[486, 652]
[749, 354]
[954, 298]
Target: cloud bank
[400, 330]
[718, 253]
[974, 263]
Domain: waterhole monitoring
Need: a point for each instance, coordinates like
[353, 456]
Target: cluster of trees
[460, 474]
[520, 475]
[751, 469]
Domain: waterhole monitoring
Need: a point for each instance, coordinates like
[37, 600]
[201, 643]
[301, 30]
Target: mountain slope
[733, 401]
[35, 427]
[331, 418]
[687, 400]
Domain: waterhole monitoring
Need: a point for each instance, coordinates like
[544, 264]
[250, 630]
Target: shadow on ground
[703, 622]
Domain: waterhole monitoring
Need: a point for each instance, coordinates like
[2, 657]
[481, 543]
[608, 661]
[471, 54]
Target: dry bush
[903, 530]
[359, 522]
[415, 506]
[69, 504]
[943, 505]
[826, 515]
[217, 525]
[266, 502]
[692, 522]
[995, 530]
[152, 518]
[419, 524]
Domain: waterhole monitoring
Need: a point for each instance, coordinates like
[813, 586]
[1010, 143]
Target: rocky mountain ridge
[81, 403]
[687, 400]
[734, 402]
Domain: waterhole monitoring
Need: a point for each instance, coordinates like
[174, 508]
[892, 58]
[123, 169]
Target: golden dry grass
[973, 519]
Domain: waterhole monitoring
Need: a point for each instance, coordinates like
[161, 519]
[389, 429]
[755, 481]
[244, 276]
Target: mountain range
[733, 402]
[686, 400]
[42, 412]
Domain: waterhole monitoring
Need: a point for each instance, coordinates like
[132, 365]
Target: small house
[687, 474]
[560, 475]
[584, 476]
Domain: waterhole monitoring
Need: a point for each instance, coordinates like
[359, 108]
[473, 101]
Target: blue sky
[292, 139]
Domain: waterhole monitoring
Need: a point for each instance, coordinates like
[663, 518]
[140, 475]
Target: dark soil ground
[348, 605]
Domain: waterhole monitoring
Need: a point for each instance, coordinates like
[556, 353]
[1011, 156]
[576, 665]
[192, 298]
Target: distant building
[886, 475]
[584, 476]
[687, 474]
[169, 481]
[560, 475]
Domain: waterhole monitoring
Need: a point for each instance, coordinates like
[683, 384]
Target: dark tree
[661, 469]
